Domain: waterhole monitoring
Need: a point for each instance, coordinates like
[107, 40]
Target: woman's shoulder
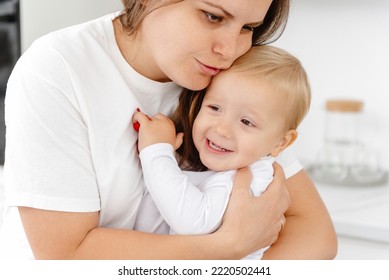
[76, 39]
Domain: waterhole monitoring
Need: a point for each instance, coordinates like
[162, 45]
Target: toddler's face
[241, 120]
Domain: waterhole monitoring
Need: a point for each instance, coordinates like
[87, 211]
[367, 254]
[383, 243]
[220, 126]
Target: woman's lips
[208, 70]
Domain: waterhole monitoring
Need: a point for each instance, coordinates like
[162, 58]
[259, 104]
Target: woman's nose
[226, 44]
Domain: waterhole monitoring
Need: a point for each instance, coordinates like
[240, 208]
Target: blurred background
[343, 45]
[344, 48]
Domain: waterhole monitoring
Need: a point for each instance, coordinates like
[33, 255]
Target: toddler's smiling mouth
[216, 147]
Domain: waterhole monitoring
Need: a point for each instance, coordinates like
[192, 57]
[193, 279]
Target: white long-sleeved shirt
[173, 203]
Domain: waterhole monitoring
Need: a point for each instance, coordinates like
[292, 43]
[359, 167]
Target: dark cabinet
[9, 53]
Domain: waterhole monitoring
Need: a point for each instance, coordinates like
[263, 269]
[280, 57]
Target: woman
[72, 174]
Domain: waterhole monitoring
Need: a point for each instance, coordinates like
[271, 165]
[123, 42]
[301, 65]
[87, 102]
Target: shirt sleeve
[289, 162]
[48, 162]
[186, 208]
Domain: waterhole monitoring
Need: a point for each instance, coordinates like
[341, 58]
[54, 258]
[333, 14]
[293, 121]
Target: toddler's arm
[186, 208]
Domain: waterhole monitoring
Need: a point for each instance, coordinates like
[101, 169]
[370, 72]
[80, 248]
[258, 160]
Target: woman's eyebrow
[228, 14]
[220, 8]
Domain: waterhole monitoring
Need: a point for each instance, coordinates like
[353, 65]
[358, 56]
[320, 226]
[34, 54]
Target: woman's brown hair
[188, 107]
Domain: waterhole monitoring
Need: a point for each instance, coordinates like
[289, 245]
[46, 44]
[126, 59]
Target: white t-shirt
[173, 204]
[70, 142]
[70, 145]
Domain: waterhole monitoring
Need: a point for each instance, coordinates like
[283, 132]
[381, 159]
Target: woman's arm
[308, 232]
[250, 223]
[63, 235]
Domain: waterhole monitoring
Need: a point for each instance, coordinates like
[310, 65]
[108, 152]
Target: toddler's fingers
[179, 140]
[138, 118]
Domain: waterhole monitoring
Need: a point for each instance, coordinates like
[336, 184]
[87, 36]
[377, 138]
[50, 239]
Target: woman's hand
[251, 223]
[309, 232]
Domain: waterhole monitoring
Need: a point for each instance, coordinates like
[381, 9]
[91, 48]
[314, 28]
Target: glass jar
[341, 141]
[344, 159]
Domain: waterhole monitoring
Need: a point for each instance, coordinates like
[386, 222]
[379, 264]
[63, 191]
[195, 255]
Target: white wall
[344, 46]
[39, 17]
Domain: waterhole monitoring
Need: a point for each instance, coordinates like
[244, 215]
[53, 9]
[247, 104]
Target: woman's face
[190, 41]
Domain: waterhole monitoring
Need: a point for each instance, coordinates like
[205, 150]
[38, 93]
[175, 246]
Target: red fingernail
[136, 126]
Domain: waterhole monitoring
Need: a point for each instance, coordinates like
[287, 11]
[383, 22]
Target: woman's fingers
[242, 180]
[277, 190]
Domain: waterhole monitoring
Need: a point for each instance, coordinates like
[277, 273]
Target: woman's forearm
[105, 243]
[65, 235]
[308, 232]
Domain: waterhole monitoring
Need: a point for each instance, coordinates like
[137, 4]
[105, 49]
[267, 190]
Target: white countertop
[359, 212]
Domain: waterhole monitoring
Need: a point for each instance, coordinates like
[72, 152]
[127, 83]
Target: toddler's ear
[288, 139]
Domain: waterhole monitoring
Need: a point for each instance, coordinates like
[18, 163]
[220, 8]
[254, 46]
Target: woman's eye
[212, 17]
[247, 122]
[248, 28]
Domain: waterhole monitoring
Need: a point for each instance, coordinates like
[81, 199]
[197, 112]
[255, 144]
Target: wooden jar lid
[344, 105]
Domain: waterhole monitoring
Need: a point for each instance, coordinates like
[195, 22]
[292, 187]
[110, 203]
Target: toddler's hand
[156, 129]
